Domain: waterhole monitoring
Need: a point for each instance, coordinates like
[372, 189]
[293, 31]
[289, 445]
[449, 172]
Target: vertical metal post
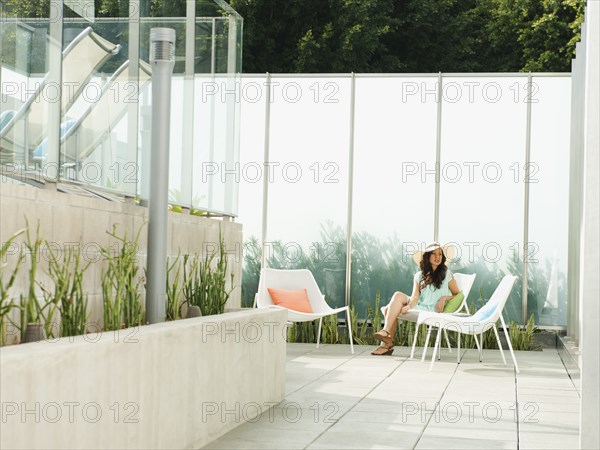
[211, 126]
[55, 63]
[133, 107]
[187, 129]
[526, 204]
[231, 107]
[266, 156]
[350, 189]
[162, 59]
[438, 153]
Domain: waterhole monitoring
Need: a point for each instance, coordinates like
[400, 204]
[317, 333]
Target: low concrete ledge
[177, 384]
[570, 355]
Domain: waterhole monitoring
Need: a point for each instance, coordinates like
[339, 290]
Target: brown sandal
[383, 351]
[385, 337]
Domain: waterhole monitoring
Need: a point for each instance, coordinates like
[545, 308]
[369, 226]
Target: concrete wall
[178, 384]
[590, 242]
[72, 219]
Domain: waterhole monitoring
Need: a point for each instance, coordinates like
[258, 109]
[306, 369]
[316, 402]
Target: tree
[352, 41]
[409, 35]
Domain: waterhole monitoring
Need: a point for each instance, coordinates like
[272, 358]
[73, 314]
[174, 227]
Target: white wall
[71, 219]
[590, 247]
[178, 384]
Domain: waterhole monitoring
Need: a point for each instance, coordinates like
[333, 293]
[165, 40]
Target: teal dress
[430, 295]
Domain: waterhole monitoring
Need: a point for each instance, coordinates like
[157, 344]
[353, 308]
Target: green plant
[360, 331]
[330, 330]
[121, 284]
[31, 310]
[303, 332]
[522, 339]
[204, 281]
[6, 303]
[68, 296]
[174, 290]
[213, 293]
[191, 279]
[176, 198]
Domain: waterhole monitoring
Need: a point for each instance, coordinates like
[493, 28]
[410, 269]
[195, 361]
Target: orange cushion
[296, 300]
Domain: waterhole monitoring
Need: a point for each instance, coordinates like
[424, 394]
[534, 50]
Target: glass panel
[105, 104]
[549, 200]
[482, 181]
[216, 153]
[27, 92]
[309, 173]
[217, 117]
[252, 132]
[102, 95]
[394, 189]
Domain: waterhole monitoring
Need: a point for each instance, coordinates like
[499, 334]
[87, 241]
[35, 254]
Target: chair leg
[426, 343]
[435, 347]
[412, 351]
[439, 354]
[319, 332]
[499, 344]
[481, 347]
[350, 331]
[447, 341]
[476, 342]
[458, 348]
[512, 354]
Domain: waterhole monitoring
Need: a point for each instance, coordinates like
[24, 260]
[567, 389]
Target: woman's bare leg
[392, 311]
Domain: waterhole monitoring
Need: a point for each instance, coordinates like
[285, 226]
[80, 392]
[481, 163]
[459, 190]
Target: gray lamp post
[162, 59]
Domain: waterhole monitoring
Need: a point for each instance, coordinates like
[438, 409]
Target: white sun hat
[449, 250]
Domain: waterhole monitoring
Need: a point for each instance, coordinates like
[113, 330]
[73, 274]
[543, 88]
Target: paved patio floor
[338, 400]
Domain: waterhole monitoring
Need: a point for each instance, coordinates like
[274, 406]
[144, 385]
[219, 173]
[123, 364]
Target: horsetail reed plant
[68, 296]
[174, 290]
[6, 303]
[329, 330]
[121, 284]
[191, 280]
[360, 332]
[205, 286]
[31, 310]
[303, 332]
[523, 339]
[213, 293]
[363, 334]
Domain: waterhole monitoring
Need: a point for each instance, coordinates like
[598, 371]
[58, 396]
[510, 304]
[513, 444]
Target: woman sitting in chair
[433, 287]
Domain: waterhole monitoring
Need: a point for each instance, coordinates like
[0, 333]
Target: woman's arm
[453, 286]
[413, 300]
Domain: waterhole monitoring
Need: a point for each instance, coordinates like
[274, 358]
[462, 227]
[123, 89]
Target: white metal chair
[481, 321]
[465, 283]
[295, 280]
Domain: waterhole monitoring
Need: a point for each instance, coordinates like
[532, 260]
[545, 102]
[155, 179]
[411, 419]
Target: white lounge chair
[25, 129]
[478, 323]
[298, 280]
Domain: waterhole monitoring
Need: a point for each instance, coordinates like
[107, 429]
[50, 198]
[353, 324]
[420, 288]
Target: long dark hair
[428, 275]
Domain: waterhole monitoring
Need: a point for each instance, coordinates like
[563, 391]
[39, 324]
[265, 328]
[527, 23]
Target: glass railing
[463, 167]
[88, 120]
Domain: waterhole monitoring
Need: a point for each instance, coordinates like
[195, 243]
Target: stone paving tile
[338, 400]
